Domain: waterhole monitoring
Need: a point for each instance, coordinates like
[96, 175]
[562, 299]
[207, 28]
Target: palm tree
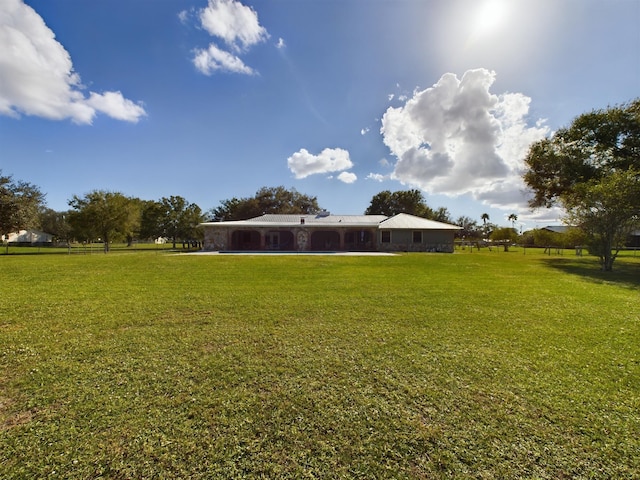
[485, 232]
[513, 218]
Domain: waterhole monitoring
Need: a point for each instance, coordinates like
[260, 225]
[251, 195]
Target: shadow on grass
[626, 273]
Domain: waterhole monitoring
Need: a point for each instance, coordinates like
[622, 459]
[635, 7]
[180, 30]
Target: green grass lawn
[91, 248]
[472, 365]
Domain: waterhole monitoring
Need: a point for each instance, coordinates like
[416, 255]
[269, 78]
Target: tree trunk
[607, 257]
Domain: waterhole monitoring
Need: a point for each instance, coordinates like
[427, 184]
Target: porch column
[341, 233]
[301, 239]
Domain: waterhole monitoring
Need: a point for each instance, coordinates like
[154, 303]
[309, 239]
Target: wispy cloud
[377, 177]
[37, 76]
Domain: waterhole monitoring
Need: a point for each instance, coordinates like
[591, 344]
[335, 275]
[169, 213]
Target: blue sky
[339, 99]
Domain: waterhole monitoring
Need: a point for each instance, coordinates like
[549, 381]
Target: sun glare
[490, 16]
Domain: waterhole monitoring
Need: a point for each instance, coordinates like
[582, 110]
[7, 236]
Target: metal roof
[556, 228]
[290, 220]
[400, 221]
[404, 221]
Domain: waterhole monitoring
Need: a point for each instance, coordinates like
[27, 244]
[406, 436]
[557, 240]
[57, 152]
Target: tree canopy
[20, 203]
[102, 215]
[592, 170]
[504, 236]
[55, 223]
[405, 201]
[266, 200]
[172, 217]
[469, 227]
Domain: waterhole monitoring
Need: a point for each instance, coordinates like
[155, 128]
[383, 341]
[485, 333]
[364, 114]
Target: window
[417, 236]
[386, 236]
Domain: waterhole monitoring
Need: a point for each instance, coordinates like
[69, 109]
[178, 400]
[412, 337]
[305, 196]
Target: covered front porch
[294, 239]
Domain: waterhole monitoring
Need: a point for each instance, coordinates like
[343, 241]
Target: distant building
[29, 237]
[634, 239]
[326, 232]
[556, 228]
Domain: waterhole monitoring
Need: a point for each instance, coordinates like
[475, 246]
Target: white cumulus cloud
[347, 177]
[457, 137]
[116, 106]
[37, 76]
[234, 23]
[238, 27]
[302, 163]
[213, 59]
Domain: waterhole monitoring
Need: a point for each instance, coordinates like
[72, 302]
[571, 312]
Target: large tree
[402, 201]
[608, 210]
[504, 236]
[266, 200]
[20, 203]
[592, 170]
[55, 223]
[405, 201]
[469, 228]
[172, 217]
[103, 215]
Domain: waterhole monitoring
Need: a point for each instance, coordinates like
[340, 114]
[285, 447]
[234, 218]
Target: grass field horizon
[471, 365]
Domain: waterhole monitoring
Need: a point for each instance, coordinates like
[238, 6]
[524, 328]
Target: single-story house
[28, 237]
[327, 232]
[557, 228]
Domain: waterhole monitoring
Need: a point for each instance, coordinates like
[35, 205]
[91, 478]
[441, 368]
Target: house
[29, 237]
[327, 232]
[556, 228]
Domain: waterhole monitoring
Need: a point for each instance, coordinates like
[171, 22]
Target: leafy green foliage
[488, 365]
[470, 230]
[592, 170]
[19, 204]
[608, 210]
[504, 236]
[55, 223]
[541, 237]
[105, 215]
[173, 217]
[266, 200]
[405, 201]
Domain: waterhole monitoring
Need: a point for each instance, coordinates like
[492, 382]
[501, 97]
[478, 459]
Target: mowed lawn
[472, 365]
